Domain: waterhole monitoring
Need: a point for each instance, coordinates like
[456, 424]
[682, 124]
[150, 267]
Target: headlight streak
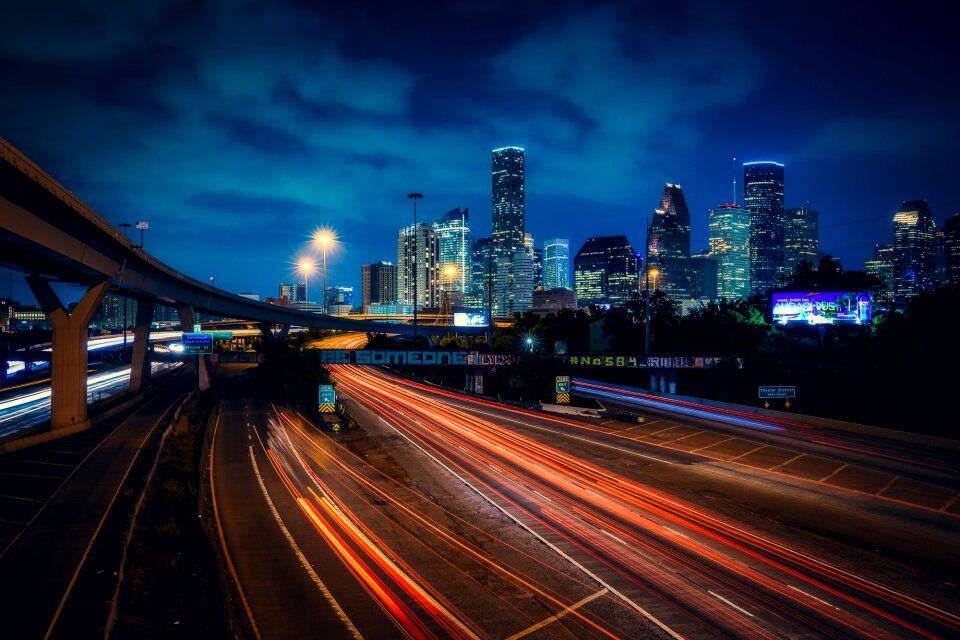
[445, 536]
[340, 531]
[492, 440]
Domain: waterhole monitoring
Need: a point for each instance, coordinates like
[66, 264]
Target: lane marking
[833, 473]
[713, 444]
[813, 596]
[341, 614]
[949, 502]
[763, 446]
[785, 463]
[740, 609]
[887, 486]
[554, 618]
[689, 435]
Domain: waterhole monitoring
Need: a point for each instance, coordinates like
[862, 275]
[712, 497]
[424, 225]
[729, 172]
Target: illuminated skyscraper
[379, 283]
[556, 264]
[801, 237]
[456, 249]
[668, 243]
[914, 250]
[294, 292]
[509, 216]
[763, 198]
[606, 271]
[730, 245]
[881, 267]
[427, 266]
[484, 274]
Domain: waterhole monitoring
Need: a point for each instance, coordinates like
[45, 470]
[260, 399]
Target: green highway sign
[563, 384]
[778, 392]
[220, 335]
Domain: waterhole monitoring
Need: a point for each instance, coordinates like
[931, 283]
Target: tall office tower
[294, 292]
[605, 271]
[513, 290]
[484, 274]
[881, 267]
[951, 249]
[424, 238]
[668, 243]
[801, 237]
[509, 218]
[456, 249]
[730, 245]
[914, 250]
[763, 198]
[556, 264]
[378, 283]
[703, 276]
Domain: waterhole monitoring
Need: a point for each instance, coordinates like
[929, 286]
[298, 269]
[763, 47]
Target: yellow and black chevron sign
[563, 398]
[328, 408]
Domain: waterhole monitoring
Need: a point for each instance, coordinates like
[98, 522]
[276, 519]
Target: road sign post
[767, 393]
[563, 389]
[327, 398]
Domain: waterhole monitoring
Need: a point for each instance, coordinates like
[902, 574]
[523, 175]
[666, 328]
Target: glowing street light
[307, 266]
[323, 237]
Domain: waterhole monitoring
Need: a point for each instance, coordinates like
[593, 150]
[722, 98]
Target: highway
[28, 405]
[451, 516]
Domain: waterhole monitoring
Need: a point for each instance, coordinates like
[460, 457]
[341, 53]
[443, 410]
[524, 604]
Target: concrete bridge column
[266, 330]
[140, 360]
[68, 362]
[188, 318]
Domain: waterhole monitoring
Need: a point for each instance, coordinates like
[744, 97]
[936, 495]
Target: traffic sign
[327, 408]
[563, 384]
[327, 394]
[778, 392]
[221, 335]
[197, 343]
[563, 398]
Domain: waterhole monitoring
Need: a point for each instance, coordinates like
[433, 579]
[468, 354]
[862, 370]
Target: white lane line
[813, 596]
[554, 618]
[646, 614]
[682, 535]
[740, 609]
[628, 452]
[341, 614]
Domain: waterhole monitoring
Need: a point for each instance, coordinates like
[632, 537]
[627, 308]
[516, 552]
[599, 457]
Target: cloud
[915, 131]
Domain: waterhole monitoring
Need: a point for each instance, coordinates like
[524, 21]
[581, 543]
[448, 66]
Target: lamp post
[124, 226]
[306, 265]
[646, 327]
[324, 237]
[415, 196]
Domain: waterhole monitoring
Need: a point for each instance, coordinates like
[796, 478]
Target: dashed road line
[785, 463]
[763, 446]
[554, 618]
[833, 473]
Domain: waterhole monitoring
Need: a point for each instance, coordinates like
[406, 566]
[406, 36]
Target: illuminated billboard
[469, 319]
[828, 307]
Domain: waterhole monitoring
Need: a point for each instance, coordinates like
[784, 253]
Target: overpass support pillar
[266, 329]
[188, 318]
[140, 358]
[68, 363]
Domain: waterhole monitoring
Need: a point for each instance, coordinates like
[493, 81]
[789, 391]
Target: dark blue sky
[237, 128]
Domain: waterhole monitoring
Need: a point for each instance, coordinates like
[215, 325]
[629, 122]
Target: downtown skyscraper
[730, 246]
[914, 250]
[668, 244]
[378, 283]
[801, 237]
[513, 275]
[606, 271]
[763, 198]
[418, 240]
[556, 264]
[456, 251]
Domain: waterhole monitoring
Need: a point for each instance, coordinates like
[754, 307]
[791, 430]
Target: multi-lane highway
[446, 515]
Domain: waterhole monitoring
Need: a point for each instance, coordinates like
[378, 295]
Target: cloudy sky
[237, 128]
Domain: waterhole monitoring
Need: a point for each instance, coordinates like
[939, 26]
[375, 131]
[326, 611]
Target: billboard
[469, 319]
[827, 307]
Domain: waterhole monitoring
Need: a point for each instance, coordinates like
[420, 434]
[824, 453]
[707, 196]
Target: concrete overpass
[49, 234]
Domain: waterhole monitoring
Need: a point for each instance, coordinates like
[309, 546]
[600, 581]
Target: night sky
[238, 128]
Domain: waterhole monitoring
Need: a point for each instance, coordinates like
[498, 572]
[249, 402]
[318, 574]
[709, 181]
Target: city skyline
[259, 131]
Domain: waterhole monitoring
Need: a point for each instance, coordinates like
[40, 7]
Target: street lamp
[415, 196]
[306, 265]
[124, 226]
[323, 238]
[646, 328]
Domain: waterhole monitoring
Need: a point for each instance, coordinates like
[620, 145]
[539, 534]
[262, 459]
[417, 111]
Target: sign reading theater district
[778, 392]
[650, 362]
[451, 358]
